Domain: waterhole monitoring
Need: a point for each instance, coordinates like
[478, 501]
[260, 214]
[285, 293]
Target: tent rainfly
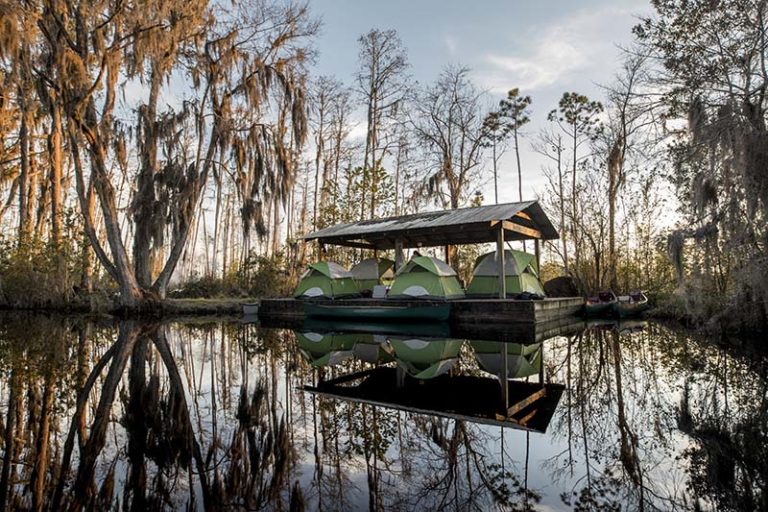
[428, 278]
[326, 279]
[369, 272]
[520, 274]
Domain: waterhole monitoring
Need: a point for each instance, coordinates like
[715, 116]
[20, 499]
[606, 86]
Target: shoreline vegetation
[122, 202]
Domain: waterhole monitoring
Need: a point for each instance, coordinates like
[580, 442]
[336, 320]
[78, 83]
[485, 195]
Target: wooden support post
[399, 257]
[537, 248]
[500, 262]
[447, 255]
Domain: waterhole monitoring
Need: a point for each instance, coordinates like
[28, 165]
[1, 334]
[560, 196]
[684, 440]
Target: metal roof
[523, 220]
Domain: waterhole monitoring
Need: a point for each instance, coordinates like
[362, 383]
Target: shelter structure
[500, 223]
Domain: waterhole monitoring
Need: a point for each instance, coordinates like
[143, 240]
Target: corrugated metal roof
[436, 226]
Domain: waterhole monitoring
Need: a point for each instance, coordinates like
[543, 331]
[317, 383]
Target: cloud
[544, 67]
[450, 44]
[547, 55]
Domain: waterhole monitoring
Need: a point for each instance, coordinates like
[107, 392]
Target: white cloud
[544, 67]
[450, 43]
[550, 54]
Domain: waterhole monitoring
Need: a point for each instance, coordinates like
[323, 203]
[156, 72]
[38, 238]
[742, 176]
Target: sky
[543, 47]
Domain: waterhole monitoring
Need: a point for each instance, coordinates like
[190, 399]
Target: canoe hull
[602, 309]
[437, 312]
[629, 310]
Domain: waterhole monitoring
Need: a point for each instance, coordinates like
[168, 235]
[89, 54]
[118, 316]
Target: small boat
[630, 305]
[600, 305]
[438, 311]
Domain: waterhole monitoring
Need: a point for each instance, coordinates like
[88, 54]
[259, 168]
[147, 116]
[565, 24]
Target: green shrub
[259, 276]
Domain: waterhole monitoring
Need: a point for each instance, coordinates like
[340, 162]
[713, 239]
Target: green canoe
[602, 305]
[438, 312]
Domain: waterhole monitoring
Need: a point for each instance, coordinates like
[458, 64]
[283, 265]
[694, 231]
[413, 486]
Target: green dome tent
[426, 277]
[522, 360]
[325, 349]
[426, 359]
[369, 272]
[326, 279]
[520, 270]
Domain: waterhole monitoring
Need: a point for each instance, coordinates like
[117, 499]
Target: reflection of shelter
[511, 360]
[373, 349]
[476, 399]
[426, 359]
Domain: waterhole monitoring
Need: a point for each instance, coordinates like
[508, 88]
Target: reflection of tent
[424, 359]
[326, 279]
[520, 271]
[373, 348]
[426, 277]
[522, 360]
[325, 349]
[369, 272]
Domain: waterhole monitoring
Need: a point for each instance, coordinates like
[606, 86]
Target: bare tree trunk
[40, 471]
[144, 200]
[24, 174]
[10, 436]
[563, 229]
[56, 161]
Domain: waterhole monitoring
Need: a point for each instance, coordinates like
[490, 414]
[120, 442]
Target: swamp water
[230, 415]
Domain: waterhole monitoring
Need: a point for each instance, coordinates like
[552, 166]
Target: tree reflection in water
[171, 415]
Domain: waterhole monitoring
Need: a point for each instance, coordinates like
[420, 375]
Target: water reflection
[225, 415]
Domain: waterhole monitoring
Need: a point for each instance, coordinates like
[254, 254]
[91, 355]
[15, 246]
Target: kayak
[437, 312]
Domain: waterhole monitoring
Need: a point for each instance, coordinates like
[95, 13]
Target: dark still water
[227, 415]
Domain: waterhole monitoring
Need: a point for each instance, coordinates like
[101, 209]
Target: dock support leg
[500, 262]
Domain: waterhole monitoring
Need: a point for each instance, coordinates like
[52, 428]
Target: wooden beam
[349, 243]
[517, 228]
[522, 404]
[537, 251]
[523, 215]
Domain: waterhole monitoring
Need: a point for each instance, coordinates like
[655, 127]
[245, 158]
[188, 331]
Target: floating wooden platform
[464, 312]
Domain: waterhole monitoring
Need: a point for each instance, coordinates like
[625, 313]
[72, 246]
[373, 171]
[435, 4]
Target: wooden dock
[464, 312]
